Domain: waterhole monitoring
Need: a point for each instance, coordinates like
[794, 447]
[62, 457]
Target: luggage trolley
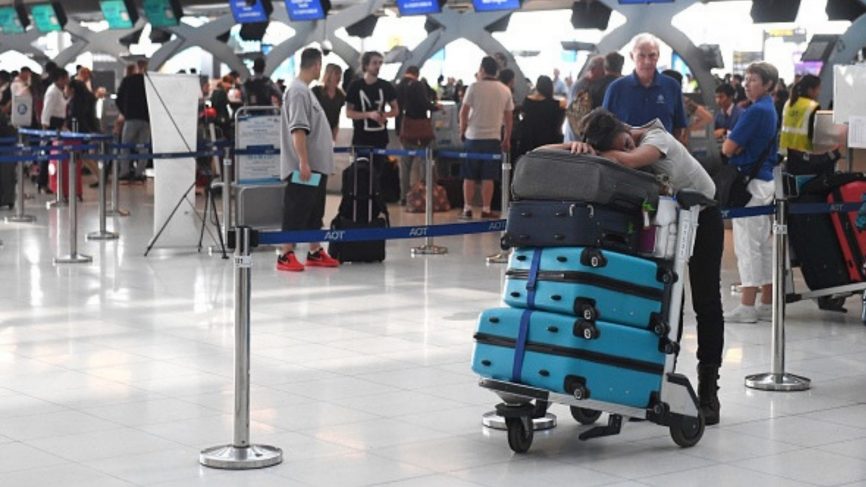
[674, 405]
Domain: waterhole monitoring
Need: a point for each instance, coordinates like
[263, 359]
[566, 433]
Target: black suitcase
[360, 207]
[8, 177]
[571, 223]
[813, 238]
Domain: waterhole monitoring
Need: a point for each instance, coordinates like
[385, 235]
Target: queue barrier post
[429, 248]
[228, 167]
[777, 379]
[114, 209]
[502, 256]
[240, 454]
[19, 216]
[60, 194]
[73, 257]
[102, 233]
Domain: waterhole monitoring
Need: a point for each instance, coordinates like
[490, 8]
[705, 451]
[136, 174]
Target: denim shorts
[478, 170]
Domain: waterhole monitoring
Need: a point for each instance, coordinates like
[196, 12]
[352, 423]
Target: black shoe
[708, 392]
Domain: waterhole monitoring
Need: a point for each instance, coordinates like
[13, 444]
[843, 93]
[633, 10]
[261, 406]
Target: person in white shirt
[54, 107]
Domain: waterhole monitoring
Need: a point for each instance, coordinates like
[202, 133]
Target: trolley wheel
[584, 415]
[687, 431]
[519, 435]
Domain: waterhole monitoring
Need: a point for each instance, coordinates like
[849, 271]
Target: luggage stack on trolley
[828, 248]
[593, 294]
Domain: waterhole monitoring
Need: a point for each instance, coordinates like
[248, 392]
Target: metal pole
[115, 171]
[59, 196]
[74, 257]
[103, 233]
[777, 379]
[19, 216]
[502, 257]
[429, 248]
[241, 455]
[227, 194]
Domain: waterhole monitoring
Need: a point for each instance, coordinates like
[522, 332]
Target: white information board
[172, 100]
[849, 85]
[22, 110]
[258, 129]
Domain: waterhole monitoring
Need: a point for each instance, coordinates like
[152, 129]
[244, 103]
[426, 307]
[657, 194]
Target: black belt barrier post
[73, 257]
[502, 257]
[102, 234]
[777, 379]
[240, 454]
[19, 216]
[115, 210]
[429, 248]
[59, 194]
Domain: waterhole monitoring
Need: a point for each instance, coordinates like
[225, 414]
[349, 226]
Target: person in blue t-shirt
[647, 94]
[753, 141]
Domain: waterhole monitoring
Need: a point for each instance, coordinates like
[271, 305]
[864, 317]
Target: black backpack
[257, 92]
[358, 192]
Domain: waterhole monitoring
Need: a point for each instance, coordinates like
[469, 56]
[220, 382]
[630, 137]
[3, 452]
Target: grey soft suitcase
[550, 174]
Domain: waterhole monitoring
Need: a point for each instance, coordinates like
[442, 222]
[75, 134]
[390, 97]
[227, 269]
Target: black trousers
[705, 279]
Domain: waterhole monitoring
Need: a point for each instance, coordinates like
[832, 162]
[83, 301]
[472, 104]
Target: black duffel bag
[732, 185]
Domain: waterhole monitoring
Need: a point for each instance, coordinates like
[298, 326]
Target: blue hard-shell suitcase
[606, 362]
[592, 283]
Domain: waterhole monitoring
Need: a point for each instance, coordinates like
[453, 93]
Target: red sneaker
[320, 258]
[288, 262]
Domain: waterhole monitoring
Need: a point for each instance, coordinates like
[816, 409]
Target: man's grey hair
[646, 39]
[595, 62]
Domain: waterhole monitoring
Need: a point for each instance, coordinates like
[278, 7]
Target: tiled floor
[118, 372]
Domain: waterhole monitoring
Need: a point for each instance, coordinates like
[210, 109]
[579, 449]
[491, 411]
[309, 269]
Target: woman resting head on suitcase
[652, 146]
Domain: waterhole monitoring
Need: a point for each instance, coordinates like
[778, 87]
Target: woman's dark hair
[600, 127]
[506, 76]
[806, 83]
[544, 86]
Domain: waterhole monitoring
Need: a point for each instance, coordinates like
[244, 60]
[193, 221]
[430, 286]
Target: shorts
[479, 170]
[304, 206]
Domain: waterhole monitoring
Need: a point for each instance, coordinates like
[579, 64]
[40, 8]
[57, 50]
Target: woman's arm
[642, 156]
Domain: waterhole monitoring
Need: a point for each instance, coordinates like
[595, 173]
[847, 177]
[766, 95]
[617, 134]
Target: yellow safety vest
[795, 125]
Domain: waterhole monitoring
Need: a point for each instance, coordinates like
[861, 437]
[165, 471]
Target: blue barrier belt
[130, 146]
[149, 156]
[481, 156]
[730, 213]
[63, 135]
[392, 233]
[33, 158]
[8, 140]
[520, 345]
[399, 152]
[257, 151]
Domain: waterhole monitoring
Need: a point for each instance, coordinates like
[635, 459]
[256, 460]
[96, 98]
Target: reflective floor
[119, 372]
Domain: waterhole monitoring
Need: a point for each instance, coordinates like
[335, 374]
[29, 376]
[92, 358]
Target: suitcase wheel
[687, 431]
[584, 415]
[586, 330]
[661, 329]
[670, 348]
[520, 433]
[666, 276]
[593, 258]
[585, 309]
[580, 393]
[505, 244]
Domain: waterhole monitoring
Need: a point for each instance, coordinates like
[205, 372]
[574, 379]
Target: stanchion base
[102, 236]
[496, 422]
[120, 212]
[56, 204]
[20, 219]
[73, 259]
[778, 382]
[500, 258]
[232, 458]
[429, 250]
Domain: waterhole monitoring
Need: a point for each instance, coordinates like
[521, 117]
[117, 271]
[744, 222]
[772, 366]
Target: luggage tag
[314, 180]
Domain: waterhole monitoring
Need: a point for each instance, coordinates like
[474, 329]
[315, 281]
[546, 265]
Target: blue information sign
[418, 7]
[45, 18]
[493, 5]
[638, 2]
[246, 14]
[116, 13]
[10, 23]
[160, 13]
[301, 10]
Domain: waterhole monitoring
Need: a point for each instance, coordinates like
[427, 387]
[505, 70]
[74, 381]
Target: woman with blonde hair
[331, 97]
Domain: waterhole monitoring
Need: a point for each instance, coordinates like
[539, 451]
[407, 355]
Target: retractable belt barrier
[392, 233]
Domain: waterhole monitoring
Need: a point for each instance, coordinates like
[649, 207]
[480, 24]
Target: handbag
[418, 131]
[732, 185]
[416, 199]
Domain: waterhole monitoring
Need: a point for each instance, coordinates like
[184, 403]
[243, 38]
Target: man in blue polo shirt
[646, 94]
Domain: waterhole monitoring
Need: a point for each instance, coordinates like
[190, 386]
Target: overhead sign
[788, 35]
[494, 5]
[162, 13]
[301, 10]
[47, 18]
[418, 7]
[246, 13]
[120, 14]
[10, 21]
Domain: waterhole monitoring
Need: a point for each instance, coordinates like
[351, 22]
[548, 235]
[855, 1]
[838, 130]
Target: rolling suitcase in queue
[533, 223]
[8, 176]
[353, 213]
[852, 242]
[531, 358]
[591, 283]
